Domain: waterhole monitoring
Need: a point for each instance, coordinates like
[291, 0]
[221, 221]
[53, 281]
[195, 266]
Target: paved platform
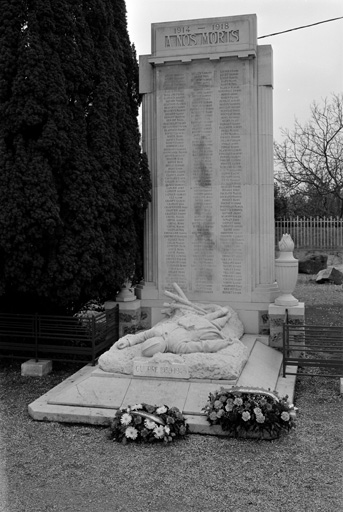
[93, 396]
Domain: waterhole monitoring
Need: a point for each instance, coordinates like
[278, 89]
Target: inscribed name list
[201, 160]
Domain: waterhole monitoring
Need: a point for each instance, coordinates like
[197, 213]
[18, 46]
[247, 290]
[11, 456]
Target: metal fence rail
[311, 232]
[313, 346]
[57, 337]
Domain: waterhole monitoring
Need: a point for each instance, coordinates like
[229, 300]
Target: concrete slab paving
[157, 392]
[197, 397]
[94, 392]
[249, 341]
[262, 368]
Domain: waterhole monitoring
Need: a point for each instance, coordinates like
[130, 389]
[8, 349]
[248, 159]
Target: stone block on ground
[330, 275]
[33, 368]
[313, 263]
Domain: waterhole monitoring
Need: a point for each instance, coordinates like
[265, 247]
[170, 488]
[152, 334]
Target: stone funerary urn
[208, 133]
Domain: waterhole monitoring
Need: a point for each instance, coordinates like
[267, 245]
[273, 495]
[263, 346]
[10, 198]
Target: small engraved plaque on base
[142, 368]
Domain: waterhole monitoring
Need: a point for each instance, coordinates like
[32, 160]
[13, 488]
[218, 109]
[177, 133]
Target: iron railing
[322, 233]
[313, 346]
[83, 339]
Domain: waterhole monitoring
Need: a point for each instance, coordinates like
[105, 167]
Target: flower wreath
[245, 411]
[148, 424]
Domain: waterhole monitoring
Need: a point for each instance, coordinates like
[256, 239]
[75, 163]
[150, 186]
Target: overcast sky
[308, 63]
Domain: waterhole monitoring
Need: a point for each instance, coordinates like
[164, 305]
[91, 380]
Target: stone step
[286, 385]
[262, 368]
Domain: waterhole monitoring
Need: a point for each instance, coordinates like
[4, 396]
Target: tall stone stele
[207, 131]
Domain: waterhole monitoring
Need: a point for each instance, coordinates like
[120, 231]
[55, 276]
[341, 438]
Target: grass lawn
[323, 302]
[62, 467]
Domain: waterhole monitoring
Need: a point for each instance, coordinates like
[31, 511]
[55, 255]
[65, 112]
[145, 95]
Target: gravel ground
[74, 468]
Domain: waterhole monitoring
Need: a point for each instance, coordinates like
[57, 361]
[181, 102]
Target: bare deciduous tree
[309, 161]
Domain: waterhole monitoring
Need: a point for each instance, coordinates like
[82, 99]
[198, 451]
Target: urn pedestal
[286, 272]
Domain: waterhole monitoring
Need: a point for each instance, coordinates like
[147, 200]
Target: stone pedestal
[33, 368]
[286, 272]
[131, 319]
[208, 133]
[277, 314]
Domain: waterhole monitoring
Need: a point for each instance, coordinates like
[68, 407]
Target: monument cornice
[158, 61]
[194, 39]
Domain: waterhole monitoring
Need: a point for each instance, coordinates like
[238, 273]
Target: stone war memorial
[209, 236]
[208, 133]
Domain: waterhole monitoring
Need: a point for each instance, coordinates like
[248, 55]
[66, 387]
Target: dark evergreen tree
[280, 203]
[72, 185]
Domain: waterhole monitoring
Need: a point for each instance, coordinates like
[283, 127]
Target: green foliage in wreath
[143, 423]
[250, 412]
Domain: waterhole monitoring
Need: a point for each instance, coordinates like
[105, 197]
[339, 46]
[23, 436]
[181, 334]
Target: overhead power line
[299, 28]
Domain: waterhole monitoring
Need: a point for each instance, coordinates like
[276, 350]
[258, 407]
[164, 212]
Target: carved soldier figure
[195, 331]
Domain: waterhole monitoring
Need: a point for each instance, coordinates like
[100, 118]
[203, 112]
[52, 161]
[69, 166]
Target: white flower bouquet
[148, 424]
[250, 412]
